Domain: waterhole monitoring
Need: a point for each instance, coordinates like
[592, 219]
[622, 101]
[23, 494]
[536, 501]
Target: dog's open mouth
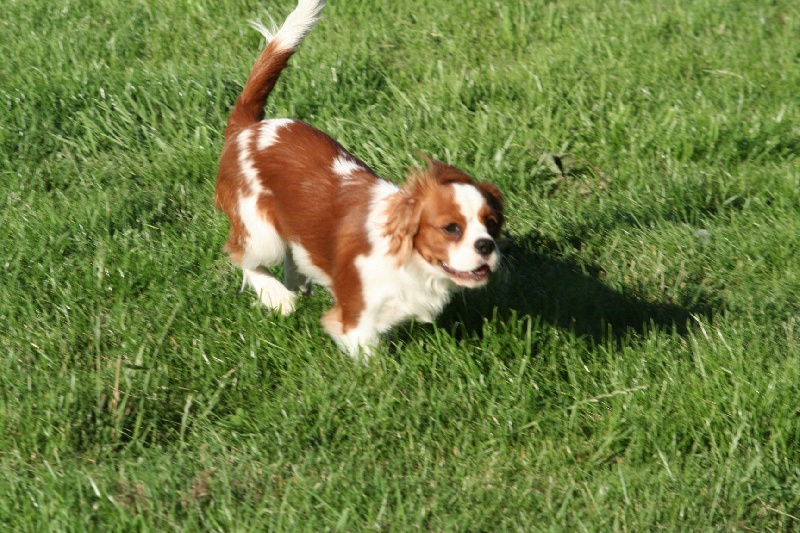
[479, 274]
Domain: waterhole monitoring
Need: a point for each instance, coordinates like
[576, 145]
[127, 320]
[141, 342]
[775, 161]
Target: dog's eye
[454, 230]
[491, 225]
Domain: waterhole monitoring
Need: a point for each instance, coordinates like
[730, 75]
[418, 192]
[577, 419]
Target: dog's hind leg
[293, 279]
[264, 248]
[271, 292]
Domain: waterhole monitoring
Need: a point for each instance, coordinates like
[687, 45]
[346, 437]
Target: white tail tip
[295, 28]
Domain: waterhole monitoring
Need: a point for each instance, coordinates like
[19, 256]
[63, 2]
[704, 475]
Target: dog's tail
[249, 107]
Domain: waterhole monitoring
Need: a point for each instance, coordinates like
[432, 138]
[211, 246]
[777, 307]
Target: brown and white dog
[294, 195]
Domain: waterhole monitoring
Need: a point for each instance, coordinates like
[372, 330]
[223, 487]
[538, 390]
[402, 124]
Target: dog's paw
[284, 303]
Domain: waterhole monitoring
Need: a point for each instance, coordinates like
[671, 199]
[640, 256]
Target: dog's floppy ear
[402, 223]
[492, 194]
[494, 199]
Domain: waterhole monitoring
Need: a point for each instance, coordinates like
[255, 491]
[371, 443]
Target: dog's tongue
[478, 273]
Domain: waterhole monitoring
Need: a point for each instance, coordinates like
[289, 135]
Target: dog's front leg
[356, 339]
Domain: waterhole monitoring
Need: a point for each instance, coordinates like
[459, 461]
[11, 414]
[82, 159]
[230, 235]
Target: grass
[635, 367]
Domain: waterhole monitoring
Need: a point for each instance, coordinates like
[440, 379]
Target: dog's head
[450, 221]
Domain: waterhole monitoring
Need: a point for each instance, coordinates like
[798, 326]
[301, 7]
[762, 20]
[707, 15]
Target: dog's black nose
[484, 246]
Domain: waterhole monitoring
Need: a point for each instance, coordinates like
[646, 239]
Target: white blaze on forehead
[462, 255]
[344, 165]
[471, 201]
[268, 132]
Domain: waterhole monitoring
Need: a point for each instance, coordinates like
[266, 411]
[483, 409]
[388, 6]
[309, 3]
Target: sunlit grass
[634, 367]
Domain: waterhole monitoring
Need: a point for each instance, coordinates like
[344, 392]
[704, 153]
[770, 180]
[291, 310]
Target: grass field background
[635, 367]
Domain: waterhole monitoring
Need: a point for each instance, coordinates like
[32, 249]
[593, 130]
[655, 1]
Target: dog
[292, 194]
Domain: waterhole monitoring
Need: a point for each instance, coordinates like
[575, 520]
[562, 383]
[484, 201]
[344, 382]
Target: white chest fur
[393, 295]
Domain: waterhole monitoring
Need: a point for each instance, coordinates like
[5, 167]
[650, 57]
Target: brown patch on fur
[311, 205]
[231, 187]
[441, 210]
[346, 279]
[226, 198]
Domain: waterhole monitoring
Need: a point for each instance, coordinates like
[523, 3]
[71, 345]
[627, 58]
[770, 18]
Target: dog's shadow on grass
[536, 282]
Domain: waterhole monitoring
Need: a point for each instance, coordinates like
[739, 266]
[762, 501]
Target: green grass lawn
[635, 367]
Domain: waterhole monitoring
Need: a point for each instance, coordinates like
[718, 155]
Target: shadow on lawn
[568, 295]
